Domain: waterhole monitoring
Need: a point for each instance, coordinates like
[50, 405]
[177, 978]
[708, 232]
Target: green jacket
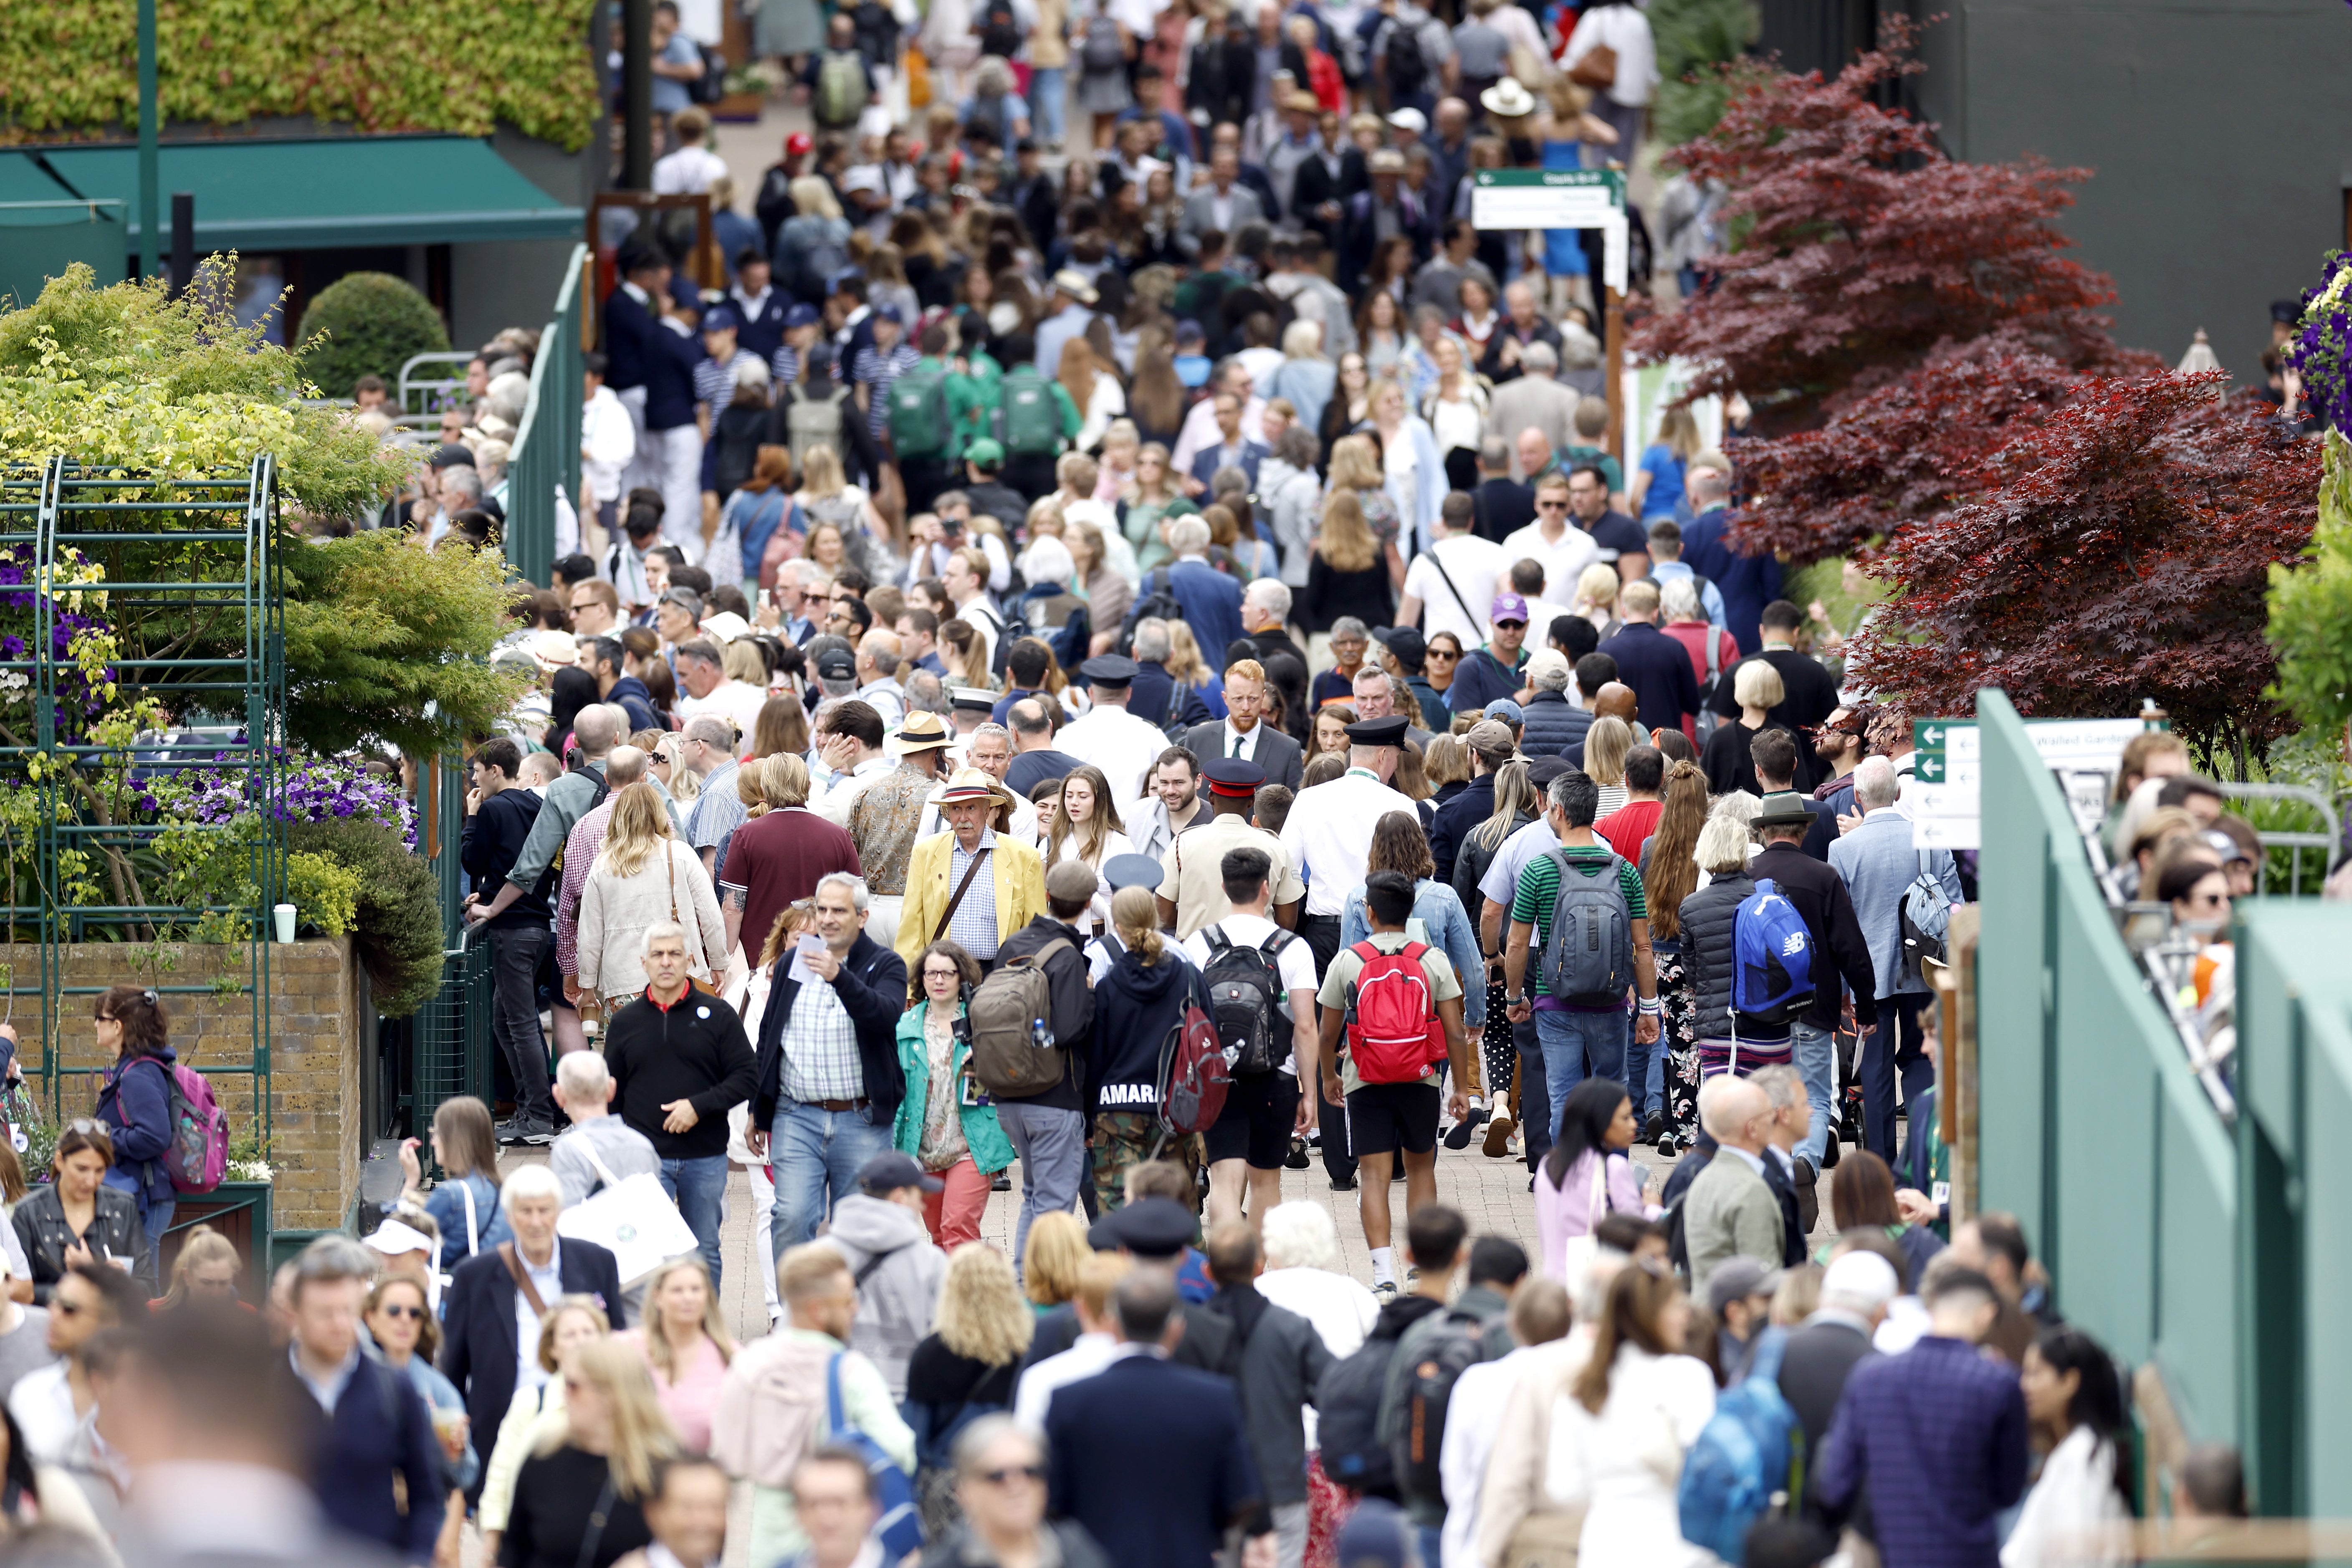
[992, 1151]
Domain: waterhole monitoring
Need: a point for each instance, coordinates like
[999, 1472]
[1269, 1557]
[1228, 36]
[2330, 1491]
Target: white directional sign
[1557, 198]
[1942, 799]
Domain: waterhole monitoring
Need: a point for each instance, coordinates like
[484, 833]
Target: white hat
[1508, 99]
[726, 626]
[1411, 119]
[1861, 1278]
[394, 1236]
[552, 651]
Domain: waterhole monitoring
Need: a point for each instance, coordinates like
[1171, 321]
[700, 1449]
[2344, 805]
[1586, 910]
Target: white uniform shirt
[1471, 564]
[1330, 841]
[1122, 745]
[1561, 562]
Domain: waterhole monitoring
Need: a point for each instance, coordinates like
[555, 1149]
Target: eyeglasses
[1005, 1476]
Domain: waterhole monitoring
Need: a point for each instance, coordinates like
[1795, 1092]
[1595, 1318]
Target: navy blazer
[872, 986]
[1212, 604]
[1283, 758]
[1208, 460]
[1154, 693]
[1658, 668]
[380, 1427]
[478, 1350]
[1157, 1493]
[670, 378]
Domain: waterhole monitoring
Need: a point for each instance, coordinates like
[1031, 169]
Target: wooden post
[1612, 340]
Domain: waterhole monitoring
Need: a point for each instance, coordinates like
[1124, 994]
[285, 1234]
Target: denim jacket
[992, 1151]
[1449, 929]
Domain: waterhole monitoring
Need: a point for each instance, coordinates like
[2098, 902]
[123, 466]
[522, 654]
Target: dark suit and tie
[1209, 459]
[1283, 758]
[480, 1349]
[1158, 1492]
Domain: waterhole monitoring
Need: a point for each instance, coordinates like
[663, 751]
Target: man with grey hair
[1792, 1119]
[835, 685]
[680, 1062]
[877, 674]
[1879, 864]
[458, 487]
[991, 749]
[1535, 401]
[927, 693]
[1823, 1352]
[702, 671]
[717, 810]
[1265, 607]
[600, 1149]
[1154, 695]
[1211, 600]
[1376, 698]
[1000, 1466]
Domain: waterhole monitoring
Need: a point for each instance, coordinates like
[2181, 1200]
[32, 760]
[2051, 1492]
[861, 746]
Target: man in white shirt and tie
[1244, 734]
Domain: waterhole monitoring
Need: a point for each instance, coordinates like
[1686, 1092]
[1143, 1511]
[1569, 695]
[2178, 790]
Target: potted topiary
[366, 323]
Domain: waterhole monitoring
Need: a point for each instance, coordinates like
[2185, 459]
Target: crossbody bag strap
[473, 1230]
[522, 1280]
[604, 1172]
[670, 860]
[594, 1536]
[1448, 578]
[962, 888]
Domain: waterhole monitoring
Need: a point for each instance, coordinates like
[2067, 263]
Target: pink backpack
[196, 1157]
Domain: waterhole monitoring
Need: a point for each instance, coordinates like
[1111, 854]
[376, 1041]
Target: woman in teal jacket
[945, 1121]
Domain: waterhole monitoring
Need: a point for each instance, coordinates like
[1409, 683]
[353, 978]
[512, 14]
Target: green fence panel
[2322, 1413]
[545, 461]
[2013, 960]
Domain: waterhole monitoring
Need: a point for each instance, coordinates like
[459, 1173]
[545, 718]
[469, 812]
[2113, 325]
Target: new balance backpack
[1588, 958]
[1245, 999]
[1751, 1449]
[1771, 958]
[1927, 917]
[1194, 1077]
[918, 411]
[1009, 1016]
[1394, 1034]
[1029, 422]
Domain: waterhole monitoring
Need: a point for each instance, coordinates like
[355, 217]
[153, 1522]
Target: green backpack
[918, 411]
[1030, 419]
[841, 88]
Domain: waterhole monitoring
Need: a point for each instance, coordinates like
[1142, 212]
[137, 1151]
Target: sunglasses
[2209, 900]
[86, 1125]
[1006, 1476]
[1441, 653]
[1551, 506]
[392, 1312]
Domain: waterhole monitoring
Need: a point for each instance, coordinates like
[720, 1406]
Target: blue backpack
[1771, 958]
[1750, 1450]
[898, 1528]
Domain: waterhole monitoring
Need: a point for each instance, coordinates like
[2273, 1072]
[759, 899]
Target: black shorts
[1385, 1117]
[1261, 1109]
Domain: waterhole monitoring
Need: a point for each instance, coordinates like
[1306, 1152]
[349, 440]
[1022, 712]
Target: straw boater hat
[920, 732]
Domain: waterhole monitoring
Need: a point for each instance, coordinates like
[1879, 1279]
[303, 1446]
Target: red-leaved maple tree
[2119, 549]
[1858, 247]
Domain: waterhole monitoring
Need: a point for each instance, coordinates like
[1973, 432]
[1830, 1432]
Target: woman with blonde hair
[1455, 409]
[1107, 593]
[1084, 828]
[1052, 1254]
[669, 764]
[1357, 465]
[816, 225]
[1347, 575]
[1596, 599]
[965, 1368]
[1657, 485]
[579, 1501]
[1122, 444]
[826, 496]
[686, 1346]
[570, 1322]
[1605, 746]
[1757, 687]
[206, 1270]
[1190, 670]
[965, 655]
[1155, 489]
[743, 662]
[1094, 392]
[644, 876]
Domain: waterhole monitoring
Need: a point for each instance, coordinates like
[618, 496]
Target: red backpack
[1193, 1071]
[1393, 1030]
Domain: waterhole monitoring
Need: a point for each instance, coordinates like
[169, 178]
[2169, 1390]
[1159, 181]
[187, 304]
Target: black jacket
[872, 986]
[1819, 893]
[1315, 186]
[693, 1050]
[1784, 1193]
[1809, 698]
[1280, 1362]
[1706, 920]
[479, 1349]
[1500, 508]
[1471, 861]
[1073, 1006]
[114, 1227]
[493, 842]
[1454, 820]
[1222, 80]
[1658, 668]
[1553, 727]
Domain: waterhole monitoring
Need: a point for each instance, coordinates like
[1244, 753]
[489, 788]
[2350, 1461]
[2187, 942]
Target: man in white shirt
[849, 737]
[702, 671]
[1553, 540]
[1447, 582]
[1124, 747]
[878, 677]
[1243, 733]
[1264, 1109]
[965, 578]
[689, 171]
[55, 1407]
[608, 444]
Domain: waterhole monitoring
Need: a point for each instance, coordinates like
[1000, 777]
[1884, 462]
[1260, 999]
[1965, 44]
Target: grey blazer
[1200, 215]
[1878, 864]
[1283, 758]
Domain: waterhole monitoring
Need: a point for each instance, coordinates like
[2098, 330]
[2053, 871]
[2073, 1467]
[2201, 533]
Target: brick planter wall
[315, 1031]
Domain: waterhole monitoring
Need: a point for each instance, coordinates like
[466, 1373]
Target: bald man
[1616, 700]
[1730, 1211]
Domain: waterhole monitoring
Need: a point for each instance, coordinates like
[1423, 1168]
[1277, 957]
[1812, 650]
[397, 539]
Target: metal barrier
[453, 1033]
[543, 468]
[2293, 841]
[430, 394]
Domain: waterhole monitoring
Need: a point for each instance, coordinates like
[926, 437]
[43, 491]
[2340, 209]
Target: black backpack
[1158, 602]
[1000, 34]
[710, 86]
[1438, 1363]
[1407, 66]
[1246, 996]
[1347, 1407]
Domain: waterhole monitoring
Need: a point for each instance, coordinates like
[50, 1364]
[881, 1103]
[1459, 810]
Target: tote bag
[634, 1220]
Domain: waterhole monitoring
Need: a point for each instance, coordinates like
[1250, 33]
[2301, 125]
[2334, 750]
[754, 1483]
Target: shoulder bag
[632, 1220]
[956, 901]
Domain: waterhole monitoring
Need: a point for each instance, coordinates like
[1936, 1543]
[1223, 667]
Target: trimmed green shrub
[1696, 38]
[397, 936]
[366, 323]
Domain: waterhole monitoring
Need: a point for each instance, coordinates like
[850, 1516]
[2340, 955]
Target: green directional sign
[1929, 735]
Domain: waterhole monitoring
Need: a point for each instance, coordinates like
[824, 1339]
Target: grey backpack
[1588, 957]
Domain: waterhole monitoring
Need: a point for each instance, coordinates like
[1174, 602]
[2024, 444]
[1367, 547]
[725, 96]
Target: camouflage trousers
[1123, 1139]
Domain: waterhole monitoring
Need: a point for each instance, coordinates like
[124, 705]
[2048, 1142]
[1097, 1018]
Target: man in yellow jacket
[1002, 883]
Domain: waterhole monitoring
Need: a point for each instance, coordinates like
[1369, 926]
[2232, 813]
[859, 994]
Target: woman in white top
[1621, 26]
[1085, 827]
[1094, 390]
[2075, 1401]
[1648, 1402]
[644, 876]
[1457, 411]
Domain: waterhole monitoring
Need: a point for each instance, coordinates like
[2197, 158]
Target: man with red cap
[775, 200]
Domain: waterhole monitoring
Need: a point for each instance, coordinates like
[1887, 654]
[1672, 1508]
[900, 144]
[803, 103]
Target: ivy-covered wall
[71, 67]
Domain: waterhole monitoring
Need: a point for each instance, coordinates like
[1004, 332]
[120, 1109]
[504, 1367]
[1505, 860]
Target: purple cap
[1508, 607]
[890, 313]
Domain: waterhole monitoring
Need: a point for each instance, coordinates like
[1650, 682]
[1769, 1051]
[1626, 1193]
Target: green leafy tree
[396, 930]
[1700, 46]
[2311, 607]
[366, 323]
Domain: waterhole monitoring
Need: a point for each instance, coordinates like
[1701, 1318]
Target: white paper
[810, 946]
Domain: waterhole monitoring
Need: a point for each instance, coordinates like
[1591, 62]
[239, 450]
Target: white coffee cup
[285, 914]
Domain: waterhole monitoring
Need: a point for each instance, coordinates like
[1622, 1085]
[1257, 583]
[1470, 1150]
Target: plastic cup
[284, 917]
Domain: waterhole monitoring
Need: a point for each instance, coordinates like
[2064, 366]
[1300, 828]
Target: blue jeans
[1048, 102]
[1814, 1052]
[1578, 1045]
[816, 1154]
[698, 1187]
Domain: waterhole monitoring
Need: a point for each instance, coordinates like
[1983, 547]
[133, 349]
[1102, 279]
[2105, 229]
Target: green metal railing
[2194, 1222]
[206, 544]
[543, 469]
